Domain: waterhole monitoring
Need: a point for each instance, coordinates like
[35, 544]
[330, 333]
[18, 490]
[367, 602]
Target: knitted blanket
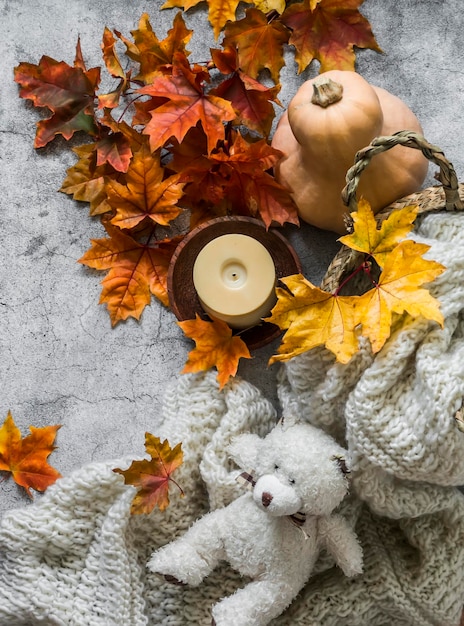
[77, 557]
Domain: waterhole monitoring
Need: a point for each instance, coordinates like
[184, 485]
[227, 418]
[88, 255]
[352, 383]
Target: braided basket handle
[446, 175]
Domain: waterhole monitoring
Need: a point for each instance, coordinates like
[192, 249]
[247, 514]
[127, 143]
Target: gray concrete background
[61, 362]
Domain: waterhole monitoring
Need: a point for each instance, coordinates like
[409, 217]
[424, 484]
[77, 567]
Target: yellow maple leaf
[215, 347]
[219, 11]
[313, 317]
[399, 291]
[378, 242]
[266, 6]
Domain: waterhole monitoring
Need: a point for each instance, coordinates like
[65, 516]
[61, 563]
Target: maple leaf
[378, 242]
[136, 271]
[219, 11]
[398, 291]
[152, 476]
[215, 347]
[68, 92]
[145, 193]
[187, 105]
[88, 183]
[26, 459]
[114, 67]
[314, 317]
[114, 149]
[259, 43]
[328, 32]
[150, 52]
[250, 189]
[251, 99]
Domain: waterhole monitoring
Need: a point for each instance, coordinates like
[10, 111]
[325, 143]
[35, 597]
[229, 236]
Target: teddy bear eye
[291, 481]
[276, 467]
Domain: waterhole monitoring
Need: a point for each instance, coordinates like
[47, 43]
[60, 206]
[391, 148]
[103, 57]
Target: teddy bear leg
[256, 604]
[193, 556]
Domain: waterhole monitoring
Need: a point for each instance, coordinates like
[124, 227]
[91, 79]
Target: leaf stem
[182, 493]
[364, 266]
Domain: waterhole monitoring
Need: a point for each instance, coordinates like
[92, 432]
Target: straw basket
[449, 196]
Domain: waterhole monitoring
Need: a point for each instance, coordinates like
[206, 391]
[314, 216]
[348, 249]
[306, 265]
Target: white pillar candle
[234, 276]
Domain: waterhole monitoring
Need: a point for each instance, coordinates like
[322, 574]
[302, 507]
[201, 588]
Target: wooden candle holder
[183, 297]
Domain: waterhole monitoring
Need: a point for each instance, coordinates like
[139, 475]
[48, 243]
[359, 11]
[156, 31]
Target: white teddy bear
[272, 534]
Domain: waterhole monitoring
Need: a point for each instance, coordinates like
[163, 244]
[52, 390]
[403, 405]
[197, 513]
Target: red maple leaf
[187, 104]
[328, 33]
[251, 99]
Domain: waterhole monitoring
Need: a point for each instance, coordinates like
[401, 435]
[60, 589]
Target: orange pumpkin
[328, 120]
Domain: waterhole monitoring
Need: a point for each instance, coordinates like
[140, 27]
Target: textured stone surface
[61, 362]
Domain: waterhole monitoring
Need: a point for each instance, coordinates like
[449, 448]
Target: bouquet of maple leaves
[176, 138]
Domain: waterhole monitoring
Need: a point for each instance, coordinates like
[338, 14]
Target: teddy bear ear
[244, 450]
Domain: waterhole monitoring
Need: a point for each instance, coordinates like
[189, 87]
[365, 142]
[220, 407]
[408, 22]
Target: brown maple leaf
[215, 347]
[251, 99]
[152, 53]
[146, 192]
[136, 271]
[26, 458]
[152, 477]
[259, 43]
[68, 92]
[328, 32]
[187, 104]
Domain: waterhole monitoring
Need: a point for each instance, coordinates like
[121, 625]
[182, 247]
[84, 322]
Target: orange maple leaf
[151, 53]
[68, 92]
[146, 193]
[26, 459]
[259, 42]
[187, 104]
[152, 477]
[215, 347]
[136, 271]
[328, 31]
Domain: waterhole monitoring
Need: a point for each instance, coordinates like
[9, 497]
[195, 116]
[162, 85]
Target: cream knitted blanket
[78, 558]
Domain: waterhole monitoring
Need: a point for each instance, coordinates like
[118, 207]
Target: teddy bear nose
[266, 499]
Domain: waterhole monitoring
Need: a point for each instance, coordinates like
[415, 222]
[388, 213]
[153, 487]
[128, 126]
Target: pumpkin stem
[326, 91]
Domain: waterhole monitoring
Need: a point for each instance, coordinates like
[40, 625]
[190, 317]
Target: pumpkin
[328, 120]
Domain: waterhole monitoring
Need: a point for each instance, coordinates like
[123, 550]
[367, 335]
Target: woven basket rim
[428, 200]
